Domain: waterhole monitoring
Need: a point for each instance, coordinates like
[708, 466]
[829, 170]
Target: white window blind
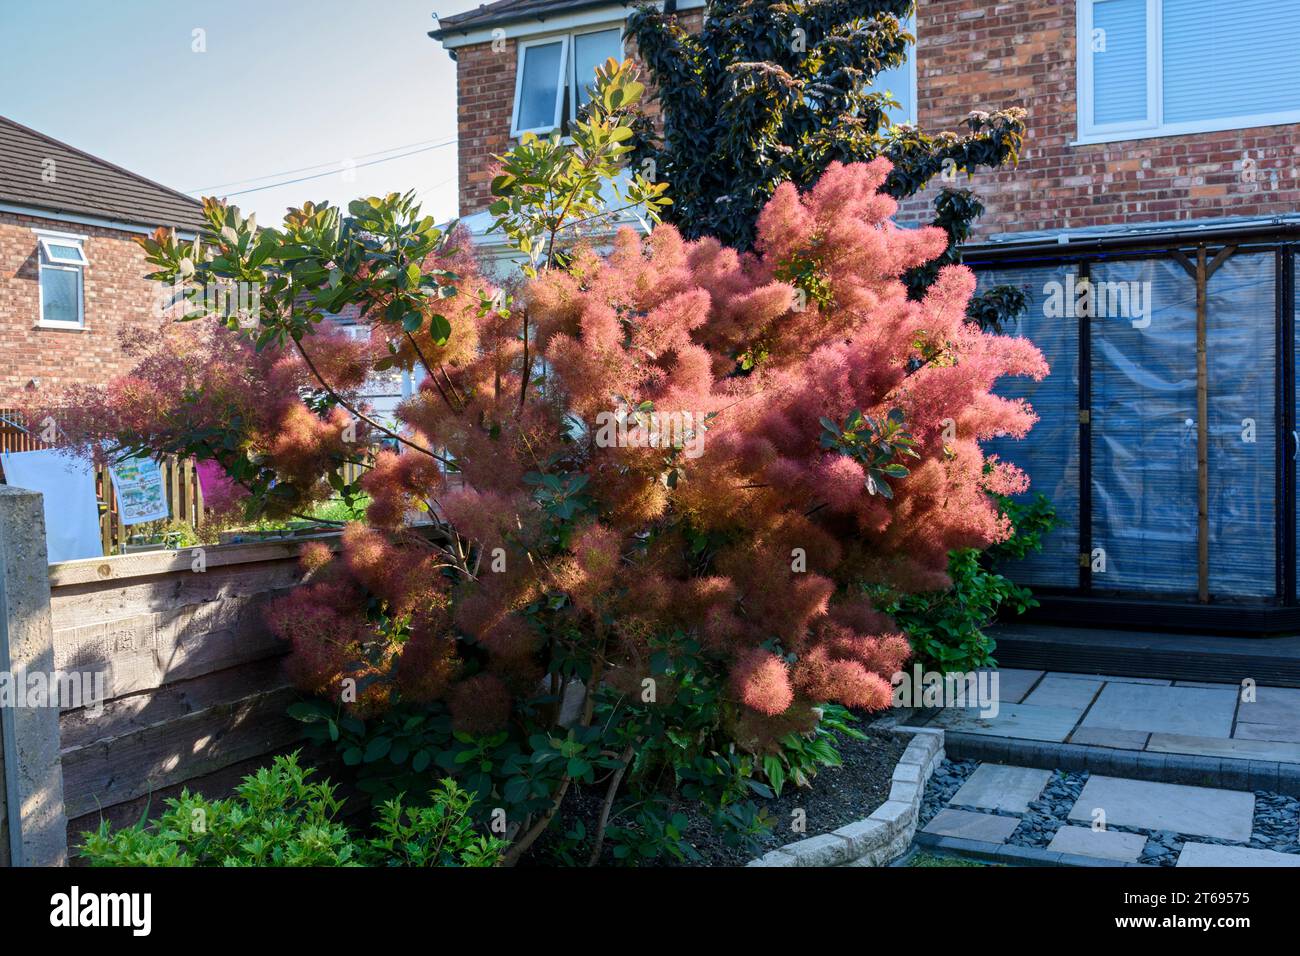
[590, 50]
[554, 74]
[1225, 59]
[1173, 67]
[1119, 44]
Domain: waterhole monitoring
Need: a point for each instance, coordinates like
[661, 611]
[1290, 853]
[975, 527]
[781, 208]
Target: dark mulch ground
[838, 795]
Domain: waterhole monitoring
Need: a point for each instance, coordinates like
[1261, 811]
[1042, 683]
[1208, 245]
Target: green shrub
[674, 748]
[946, 628]
[439, 834]
[278, 817]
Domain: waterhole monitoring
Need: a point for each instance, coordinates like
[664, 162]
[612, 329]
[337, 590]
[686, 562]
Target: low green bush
[946, 628]
[642, 758]
[279, 817]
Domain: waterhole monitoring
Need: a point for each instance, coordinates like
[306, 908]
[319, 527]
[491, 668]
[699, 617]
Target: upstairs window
[554, 74]
[590, 50]
[62, 280]
[1171, 67]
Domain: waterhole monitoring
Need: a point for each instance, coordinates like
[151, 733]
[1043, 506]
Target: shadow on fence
[188, 689]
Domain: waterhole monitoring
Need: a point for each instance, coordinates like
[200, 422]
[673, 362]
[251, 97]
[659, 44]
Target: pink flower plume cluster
[755, 544]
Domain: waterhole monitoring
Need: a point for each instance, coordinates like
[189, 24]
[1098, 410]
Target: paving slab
[996, 787]
[1024, 721]
[1193, 711]
[1272, 705]
[1102, 844]
[1063, 692]
[1285, 733]
[1014, 683]
[1242, 748]
[1199, 811]
[1215, 854]
[969, 825]
[1153, 681]
[1106, 737]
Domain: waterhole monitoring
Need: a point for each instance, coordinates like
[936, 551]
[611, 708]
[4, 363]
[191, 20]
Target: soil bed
[839, 795]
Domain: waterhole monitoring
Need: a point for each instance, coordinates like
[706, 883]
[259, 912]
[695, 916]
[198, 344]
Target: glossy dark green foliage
[769, 92]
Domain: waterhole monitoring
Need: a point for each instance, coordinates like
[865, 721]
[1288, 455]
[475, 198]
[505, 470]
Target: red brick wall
[977, 55]
[981, 55]
[485, 89]
[117, 296]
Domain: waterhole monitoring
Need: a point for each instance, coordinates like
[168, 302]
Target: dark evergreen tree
[773, 91]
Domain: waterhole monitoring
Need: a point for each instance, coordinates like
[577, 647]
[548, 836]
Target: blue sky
[284, 84]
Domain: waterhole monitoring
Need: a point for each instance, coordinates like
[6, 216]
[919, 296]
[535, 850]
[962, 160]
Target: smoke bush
[831, 438]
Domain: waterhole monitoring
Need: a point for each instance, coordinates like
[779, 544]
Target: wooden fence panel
[194, 688]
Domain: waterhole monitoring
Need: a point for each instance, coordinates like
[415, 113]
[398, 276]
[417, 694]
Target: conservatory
[1167, 436]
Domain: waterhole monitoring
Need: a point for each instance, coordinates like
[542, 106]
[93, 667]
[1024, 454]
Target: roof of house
[512, 11]
[84, 185]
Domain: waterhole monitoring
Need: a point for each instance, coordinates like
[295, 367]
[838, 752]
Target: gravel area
[1276, 823]
[944, 783]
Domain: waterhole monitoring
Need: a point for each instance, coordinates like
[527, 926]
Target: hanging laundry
[71, 512]
[138, 483]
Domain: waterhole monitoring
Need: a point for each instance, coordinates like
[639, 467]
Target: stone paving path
[1133, 713]
[1112, 819]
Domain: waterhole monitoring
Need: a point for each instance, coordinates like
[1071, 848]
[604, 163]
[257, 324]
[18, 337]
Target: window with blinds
[1171, 67]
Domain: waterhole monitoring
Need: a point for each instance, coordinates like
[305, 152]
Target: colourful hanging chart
[138, 483]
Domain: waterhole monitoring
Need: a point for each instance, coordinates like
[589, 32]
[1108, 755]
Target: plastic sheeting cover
[1050, 452]
[1144, 500]
[1241, 349]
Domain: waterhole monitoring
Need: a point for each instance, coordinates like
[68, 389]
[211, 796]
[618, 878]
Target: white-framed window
[901, 81]
[62, 280]
[1173, 67]
[554, 73]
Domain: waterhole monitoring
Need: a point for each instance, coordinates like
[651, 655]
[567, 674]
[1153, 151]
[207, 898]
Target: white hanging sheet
[71, 512]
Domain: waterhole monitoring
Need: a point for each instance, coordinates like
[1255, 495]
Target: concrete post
[33, 775]
[4, 817]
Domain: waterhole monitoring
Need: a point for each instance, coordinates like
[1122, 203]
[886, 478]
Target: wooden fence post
[33, 774]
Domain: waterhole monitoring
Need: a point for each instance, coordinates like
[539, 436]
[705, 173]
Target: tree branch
[362, 417]
[614, 782]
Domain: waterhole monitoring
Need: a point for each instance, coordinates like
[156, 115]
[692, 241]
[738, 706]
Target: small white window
[901, 81]
[554, 75]
[539, 86]
[1173, 67]
[62, 281]
[64, 252]
[591, 50]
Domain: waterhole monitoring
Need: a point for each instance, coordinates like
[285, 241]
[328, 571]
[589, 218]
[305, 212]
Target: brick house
[1161, 170]
[1108, 167]
[71, 278]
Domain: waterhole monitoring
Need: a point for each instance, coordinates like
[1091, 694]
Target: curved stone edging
[887, 833]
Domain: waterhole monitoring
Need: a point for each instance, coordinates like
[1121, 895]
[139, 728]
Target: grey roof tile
[84, 185]
[512, 11]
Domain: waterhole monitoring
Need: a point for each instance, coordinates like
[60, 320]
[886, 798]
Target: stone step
[1148, 805]
[1102, 821]
[1216, 854]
